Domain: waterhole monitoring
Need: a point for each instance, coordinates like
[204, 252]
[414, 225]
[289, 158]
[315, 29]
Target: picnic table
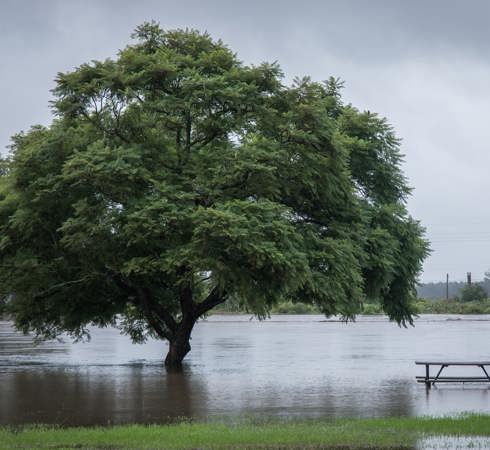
[431, 380]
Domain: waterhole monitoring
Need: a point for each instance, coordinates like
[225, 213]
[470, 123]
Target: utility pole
[468, 278]
[447, 286]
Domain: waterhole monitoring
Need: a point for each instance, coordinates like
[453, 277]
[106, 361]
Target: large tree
[175, 177]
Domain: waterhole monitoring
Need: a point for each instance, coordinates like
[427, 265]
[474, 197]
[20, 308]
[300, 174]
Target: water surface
[289, 366]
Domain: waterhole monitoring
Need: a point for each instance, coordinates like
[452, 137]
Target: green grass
[337, 434]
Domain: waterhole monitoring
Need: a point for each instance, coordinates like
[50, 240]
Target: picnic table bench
[432, 380]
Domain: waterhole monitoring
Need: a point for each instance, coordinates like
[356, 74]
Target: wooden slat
[477, 380]
[432, 378]
[453, 363]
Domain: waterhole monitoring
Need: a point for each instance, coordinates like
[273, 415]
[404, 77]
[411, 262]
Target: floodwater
[289, 366]
[454, 443]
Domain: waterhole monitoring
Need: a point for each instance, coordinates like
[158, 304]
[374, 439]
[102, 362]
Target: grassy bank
[345, 433]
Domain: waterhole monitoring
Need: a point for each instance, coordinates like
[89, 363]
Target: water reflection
[287, 367]
[109, 396]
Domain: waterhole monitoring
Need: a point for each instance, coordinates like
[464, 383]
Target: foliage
[175, 177]
[473, 293]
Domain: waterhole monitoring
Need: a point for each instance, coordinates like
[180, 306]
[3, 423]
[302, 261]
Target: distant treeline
[438, 290]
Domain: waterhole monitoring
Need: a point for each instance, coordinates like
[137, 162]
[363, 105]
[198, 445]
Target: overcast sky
[423, 64]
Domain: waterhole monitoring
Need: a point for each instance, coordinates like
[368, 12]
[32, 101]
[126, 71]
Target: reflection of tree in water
[161, 396]
[183, 397]
[53, 396]
[98, 395]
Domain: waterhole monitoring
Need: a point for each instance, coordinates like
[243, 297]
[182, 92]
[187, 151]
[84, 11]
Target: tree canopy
[175, 177]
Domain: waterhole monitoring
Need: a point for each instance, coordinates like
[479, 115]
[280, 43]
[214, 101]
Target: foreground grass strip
[344, 433]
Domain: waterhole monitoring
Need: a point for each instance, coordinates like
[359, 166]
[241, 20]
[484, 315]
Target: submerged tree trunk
[179, 346]
[176, 354]
[180, 334]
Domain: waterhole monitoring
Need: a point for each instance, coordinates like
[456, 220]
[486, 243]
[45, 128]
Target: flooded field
[288, 366]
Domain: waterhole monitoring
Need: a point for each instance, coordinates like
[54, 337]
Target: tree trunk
[180, 335]
[176, 354]
[179, 346]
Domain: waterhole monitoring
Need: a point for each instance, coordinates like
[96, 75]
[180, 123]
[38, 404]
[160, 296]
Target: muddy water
[289, 366]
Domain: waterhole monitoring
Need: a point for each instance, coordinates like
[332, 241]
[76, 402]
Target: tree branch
[188, 130]
[205, 140]
[154, 312]
[215, 298]
[59, 286]
[239, 183]
[153, 321]
[186, 302]
[165, 315]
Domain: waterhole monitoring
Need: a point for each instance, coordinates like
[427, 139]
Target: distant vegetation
[286, 307]
[473, 293]
[440, 307]
[438, 290]
[453, 307]
[421, 306]
[295, 308]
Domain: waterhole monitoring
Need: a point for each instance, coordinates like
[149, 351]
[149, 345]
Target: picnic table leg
[486, 373]
[427, 382]
[438, 373]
